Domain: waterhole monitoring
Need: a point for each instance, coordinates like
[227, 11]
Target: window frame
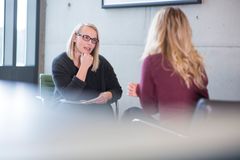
[9, 70]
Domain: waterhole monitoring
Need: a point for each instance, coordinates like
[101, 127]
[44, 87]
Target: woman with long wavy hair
[173, 77]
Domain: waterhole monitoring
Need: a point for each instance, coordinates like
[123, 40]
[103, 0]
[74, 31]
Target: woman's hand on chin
[86, 60]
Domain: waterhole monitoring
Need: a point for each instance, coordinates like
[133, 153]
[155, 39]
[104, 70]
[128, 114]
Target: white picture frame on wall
[144, 3]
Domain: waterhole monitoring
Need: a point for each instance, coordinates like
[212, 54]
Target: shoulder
[154, 57]
[62, 58]
[104, 64]
[62, 61]
[153, 60]
[158, 60]
[103, 61]
[156, 64]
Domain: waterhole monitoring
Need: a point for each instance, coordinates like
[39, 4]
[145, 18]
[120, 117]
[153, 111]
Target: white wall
[216, 33]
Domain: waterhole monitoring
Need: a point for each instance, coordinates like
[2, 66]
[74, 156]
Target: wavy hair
[71, 44]
[170, 34]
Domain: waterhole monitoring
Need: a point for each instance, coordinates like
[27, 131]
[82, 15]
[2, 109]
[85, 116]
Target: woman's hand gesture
[132, 89]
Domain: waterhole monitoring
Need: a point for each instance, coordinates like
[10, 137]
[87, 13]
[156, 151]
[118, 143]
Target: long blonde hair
[170, 34]
[71, 44]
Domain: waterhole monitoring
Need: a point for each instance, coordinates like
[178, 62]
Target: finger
[100, 100]
[130, 88]
[130, 93]
[130, 85]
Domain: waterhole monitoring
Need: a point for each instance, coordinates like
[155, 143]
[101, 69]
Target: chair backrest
[211, 109]
[46, 86]
[217, 106]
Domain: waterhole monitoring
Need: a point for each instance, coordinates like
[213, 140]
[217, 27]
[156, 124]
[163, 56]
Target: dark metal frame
[145, 3]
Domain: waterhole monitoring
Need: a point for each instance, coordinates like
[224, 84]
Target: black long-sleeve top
[68, 86]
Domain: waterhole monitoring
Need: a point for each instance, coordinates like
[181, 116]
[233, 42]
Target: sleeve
[146, 89]
[111, 82]
[67, 86]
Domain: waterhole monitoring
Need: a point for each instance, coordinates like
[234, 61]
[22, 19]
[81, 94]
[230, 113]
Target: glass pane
[21, 32]
[1, 30]
[31, 32]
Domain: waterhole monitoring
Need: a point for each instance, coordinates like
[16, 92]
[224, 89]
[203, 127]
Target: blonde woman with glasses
[173, 77]
[81, 73]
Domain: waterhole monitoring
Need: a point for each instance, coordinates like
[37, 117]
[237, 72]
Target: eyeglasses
[87, 38]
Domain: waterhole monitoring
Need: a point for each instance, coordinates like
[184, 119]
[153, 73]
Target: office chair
[208, 110]
[136, 118]
[47, 87]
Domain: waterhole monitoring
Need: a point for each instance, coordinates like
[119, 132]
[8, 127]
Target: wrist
[82, 73]
[83, 67]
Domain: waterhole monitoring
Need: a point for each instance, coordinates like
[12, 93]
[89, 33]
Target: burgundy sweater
[161, 90]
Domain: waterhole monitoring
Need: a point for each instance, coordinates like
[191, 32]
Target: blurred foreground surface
[31, 130]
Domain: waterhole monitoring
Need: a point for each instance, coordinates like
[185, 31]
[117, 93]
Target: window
[21, 32]
[19, 20]
[1, 30]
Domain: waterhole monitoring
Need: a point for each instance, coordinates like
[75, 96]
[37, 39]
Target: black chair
[136, 118]
[208, 110]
